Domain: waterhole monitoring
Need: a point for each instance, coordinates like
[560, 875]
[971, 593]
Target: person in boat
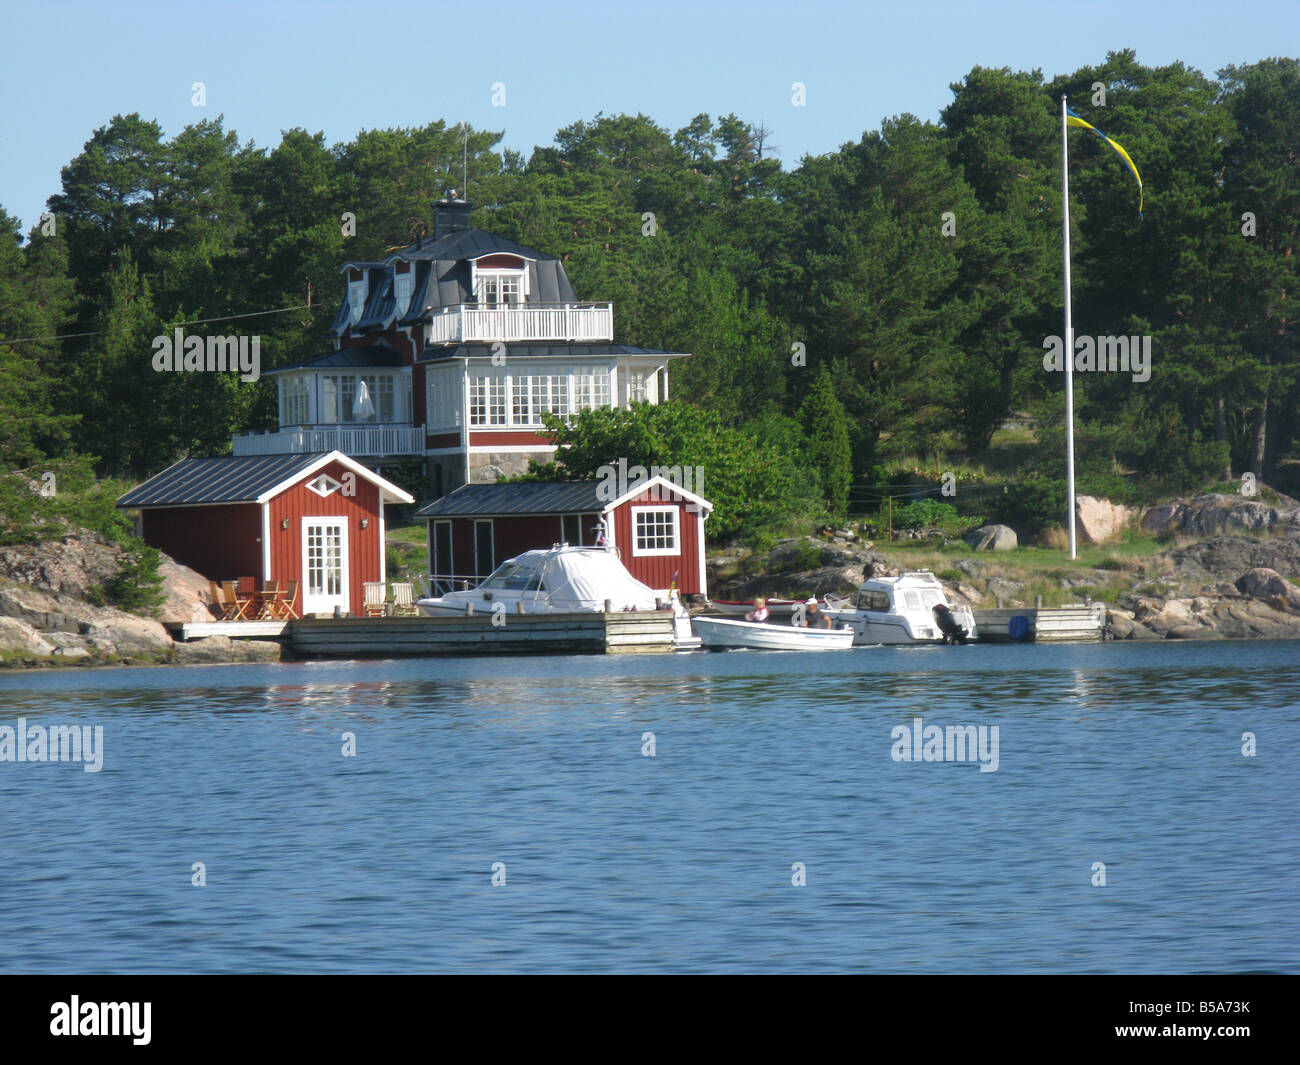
[952, 631]
[813, 617]
[759, 613]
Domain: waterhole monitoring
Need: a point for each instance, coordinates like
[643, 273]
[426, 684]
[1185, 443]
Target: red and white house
[449, 351]
[656, 526]
[317, 519]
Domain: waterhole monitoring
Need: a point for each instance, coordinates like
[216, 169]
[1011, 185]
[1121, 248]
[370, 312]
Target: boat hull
[725, 633]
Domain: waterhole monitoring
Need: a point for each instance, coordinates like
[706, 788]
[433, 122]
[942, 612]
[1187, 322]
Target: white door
[325, 565]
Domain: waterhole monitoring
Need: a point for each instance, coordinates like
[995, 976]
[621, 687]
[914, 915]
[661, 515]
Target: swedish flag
[1074, 120]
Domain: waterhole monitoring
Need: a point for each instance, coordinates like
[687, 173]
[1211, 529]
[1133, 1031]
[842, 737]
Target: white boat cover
[583, 580]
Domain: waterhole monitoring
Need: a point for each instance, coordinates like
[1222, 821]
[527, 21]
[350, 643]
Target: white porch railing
[466, 323]
[350, 439]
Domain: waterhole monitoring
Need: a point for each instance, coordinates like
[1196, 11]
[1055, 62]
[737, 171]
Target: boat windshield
[512, 576]
[931, 598]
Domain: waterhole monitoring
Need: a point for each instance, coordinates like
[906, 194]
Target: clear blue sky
[271, 65]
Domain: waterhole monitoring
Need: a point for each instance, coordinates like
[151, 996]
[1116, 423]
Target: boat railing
[439, 584]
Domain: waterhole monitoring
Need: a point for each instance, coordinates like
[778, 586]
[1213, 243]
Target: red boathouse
[317, 519]
[656, 526]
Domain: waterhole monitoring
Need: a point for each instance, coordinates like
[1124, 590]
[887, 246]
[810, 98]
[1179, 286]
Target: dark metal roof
[216, 480]
[501, 500]
[481, 351]
[442, 278]
[358, 356]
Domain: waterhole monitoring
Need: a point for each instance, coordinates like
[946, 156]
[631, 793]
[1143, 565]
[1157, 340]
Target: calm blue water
[1127, 754]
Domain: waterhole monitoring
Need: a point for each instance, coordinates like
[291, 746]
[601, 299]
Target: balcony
[356, 441]
[470, 324]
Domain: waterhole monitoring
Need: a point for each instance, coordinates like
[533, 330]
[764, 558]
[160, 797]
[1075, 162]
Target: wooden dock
[197, 630]
[584, 633]
[1072, 623]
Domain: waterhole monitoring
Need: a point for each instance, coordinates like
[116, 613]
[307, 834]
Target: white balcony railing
[466, 323]
[373, 440]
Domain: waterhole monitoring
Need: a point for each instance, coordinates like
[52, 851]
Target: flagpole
[1069, 330]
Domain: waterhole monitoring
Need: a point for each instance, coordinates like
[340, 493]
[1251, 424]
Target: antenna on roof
[464, 158]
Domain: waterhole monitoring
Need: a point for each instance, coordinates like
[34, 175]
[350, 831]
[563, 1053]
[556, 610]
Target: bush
[137, 588]
[922, 513]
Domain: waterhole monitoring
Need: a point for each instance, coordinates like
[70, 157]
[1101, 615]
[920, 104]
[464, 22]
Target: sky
[272, 65]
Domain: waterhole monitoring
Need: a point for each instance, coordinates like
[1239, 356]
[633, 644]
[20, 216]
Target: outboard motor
[952, 632]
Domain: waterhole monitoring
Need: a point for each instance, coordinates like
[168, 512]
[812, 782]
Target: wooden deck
[197, 630]
[1073, 623]
[585, 633]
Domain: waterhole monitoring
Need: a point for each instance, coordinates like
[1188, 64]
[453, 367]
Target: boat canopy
[583, 578]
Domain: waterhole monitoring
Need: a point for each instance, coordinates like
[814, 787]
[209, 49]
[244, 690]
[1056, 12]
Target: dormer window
[496, 287]
[324, 485]
[356, 297]
[402, 286]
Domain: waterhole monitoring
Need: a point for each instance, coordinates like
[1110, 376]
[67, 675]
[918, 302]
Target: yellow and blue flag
[1074, 120]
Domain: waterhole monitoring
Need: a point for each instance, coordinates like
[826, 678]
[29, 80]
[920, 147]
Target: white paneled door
[325, 565]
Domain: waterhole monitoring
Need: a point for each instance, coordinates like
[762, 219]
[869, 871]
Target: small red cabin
[317, 519]
[657, 527]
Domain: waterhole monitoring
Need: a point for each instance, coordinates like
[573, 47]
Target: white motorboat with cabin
[732, 634]
[901, 610]
[563, 580]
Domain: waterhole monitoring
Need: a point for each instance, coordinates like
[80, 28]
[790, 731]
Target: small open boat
[722, 633]
[734, 606]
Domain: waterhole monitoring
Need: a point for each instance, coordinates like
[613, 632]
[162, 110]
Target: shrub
[922, 513]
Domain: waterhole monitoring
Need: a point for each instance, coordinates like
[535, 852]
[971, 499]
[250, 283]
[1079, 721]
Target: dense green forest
[836, 311]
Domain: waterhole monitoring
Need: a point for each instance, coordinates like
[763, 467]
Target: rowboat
[735, 606]
[725, 633]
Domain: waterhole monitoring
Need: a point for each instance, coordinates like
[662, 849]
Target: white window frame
[403, 287]
[643, 552]
[356, 300]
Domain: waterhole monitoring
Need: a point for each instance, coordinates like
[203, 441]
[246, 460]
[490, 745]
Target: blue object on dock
[1018, 627]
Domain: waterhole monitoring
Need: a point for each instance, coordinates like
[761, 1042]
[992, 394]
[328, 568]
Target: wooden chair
[287, 609]
[237, 602]
[376, 599]
[404, 599]
[268, 601]
[224, 608]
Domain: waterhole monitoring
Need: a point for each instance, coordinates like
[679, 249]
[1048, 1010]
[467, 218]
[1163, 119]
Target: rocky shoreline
[50, 613]
[1228, 584]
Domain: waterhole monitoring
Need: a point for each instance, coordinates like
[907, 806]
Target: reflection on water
[1126, 754]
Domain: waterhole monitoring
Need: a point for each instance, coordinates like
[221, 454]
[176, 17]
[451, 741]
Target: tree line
[890, 298]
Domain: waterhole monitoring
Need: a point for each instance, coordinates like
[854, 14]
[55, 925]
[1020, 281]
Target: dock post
[609, 606]
[469, 610]
[1038, 602]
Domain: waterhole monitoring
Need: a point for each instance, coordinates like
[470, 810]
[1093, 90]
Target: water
[1127, 754]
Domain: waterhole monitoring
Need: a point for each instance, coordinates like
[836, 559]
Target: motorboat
[902, 610]
[729, 633]
[563, 580]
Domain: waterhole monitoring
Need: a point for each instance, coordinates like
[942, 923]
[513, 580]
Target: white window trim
[676, 549]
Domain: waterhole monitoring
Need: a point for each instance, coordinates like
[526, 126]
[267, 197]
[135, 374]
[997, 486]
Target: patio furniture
[376, 596]
[239, 602]
[404, 599]
[223, 605]
[287, 609]
[268, 601]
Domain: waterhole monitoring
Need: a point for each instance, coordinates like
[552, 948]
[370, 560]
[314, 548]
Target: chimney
[450, 215]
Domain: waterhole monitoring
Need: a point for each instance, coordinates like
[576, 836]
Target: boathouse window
[654, 531]
[573, 529]
[294, 400]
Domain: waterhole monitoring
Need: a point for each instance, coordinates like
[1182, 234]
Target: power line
[196, 321]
